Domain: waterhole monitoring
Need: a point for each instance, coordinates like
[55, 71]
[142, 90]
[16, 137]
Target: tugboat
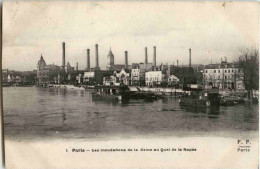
[197, 97]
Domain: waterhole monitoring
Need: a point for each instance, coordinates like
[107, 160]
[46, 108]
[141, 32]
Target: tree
[53, 74]
[31, 78]
[249, 69]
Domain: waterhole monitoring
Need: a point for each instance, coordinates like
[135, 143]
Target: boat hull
[199, 103]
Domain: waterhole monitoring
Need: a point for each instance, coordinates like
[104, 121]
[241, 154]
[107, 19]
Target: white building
[117, 78]
[153, 78]
[79, 78]
[173, 80]
[223, 76]
[135, 76]
[88, 75]
[122, 77]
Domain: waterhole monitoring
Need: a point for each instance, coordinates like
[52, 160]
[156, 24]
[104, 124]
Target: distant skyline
[211, 29]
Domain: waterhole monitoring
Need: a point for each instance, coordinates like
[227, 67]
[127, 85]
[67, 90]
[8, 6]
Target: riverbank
[18, 85]
[161, 90]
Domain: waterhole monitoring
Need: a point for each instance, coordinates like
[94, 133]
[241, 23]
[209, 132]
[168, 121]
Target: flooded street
[31, 112]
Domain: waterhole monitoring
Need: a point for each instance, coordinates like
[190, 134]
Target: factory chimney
[97, 55]
[146, 56]
[88, 59]
[190, 58]
[177, 63]
[63, 55]
[77, 67]
[154, 55]
[126, 59]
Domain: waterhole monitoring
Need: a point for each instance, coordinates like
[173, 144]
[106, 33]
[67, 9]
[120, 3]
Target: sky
[212, 30]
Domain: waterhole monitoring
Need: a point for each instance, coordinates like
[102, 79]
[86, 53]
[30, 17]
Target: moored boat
[195, 96]
[122, 92]
[108, 92]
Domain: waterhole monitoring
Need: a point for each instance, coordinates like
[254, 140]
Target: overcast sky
[211, 29]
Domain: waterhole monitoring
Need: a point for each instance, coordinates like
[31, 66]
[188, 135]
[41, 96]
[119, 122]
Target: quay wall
[65, 86]
[160, 89]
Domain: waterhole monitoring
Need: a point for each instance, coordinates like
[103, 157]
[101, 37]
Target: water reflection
[209, 110]
[64, 117]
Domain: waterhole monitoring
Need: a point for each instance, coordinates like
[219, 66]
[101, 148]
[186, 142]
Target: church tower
[42, 71]
[41, 63]
[110, 59]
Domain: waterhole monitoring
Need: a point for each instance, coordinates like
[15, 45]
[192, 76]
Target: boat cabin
[195, 95]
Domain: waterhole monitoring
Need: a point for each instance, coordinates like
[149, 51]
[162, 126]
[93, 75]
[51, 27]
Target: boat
[121, 93]
[197, 97]
[108, 92]
[230, 101]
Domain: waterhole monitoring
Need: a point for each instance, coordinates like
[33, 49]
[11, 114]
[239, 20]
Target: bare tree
[249, 69]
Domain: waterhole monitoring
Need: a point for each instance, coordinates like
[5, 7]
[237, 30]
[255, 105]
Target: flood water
[31, 113]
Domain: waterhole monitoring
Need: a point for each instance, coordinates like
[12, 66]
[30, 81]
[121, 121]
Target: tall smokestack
[190, 58]
[77, 67]
[154, 55]
[126, 59]
[177, 63]
[88, 59]
[97, 55]
[63, 55]
[146, 56]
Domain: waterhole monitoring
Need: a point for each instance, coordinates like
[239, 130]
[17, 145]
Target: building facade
[89, 77]
[118, 78]
[153, 78]
[143, 67]
[69, 68]
[224, 76]
[135, 77]
[122, 77]
[173, 80]
[42, 72]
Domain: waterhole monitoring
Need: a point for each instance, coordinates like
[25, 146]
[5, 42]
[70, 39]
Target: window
[206, 71]
[225, 71]
[232, 70]
[218, 71]
[214, 71]
[228, 71]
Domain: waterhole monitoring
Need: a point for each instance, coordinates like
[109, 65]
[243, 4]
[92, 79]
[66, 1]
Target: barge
[121, 93]
[196, 97]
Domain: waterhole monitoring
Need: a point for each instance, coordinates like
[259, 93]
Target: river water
[36, 113]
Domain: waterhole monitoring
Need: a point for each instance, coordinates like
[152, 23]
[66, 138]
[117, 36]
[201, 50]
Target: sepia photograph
[130, 84]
